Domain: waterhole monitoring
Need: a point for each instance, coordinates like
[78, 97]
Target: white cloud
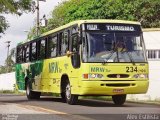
[15, 32]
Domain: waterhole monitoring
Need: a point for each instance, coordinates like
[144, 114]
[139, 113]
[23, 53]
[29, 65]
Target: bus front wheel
[63, 97]
[119, 99]
[70, 98]
[31, 94]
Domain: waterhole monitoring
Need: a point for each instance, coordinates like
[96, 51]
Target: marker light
[85, 76]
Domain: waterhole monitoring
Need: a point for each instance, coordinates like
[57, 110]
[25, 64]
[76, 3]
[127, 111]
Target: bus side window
[74, 39]
[19, 58]
[26, 53]
[60, 43]
[64, 45]
[75, 58]
[52, 46]
[42, 49]
[74, 44]
[33, 51]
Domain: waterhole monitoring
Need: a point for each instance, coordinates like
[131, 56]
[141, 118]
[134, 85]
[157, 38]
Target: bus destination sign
[112, 27]
[119, 28]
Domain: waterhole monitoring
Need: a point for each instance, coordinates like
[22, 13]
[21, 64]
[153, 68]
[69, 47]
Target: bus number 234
[131, 69]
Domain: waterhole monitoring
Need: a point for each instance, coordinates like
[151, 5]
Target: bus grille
[118, 76]
[118, 85]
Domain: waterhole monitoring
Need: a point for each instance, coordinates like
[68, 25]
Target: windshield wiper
[130, 57]
[110, 55]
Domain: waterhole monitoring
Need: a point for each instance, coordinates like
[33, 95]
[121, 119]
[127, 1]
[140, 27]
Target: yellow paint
[41, 109]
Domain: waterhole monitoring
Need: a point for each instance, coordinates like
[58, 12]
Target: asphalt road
[50, 108]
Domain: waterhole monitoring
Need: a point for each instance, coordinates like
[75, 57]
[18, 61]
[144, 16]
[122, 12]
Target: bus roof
[79, 22]
[150, 29]
[90, 21]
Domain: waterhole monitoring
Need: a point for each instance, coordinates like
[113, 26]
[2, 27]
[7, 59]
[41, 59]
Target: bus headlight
[143, 76]
[86, 76]
[95, 76]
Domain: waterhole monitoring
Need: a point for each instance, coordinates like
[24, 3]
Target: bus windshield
[114, 47]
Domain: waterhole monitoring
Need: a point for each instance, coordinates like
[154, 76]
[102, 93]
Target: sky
[15, 33]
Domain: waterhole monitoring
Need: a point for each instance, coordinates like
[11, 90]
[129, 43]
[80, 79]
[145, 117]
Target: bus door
[74, 48]
[75, 58]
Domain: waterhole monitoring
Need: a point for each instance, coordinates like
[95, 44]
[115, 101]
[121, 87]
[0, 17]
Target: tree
[12, 7]
[144, 11]
[9, 63]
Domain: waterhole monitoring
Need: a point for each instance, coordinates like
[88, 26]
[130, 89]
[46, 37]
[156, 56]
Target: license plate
[118, 90]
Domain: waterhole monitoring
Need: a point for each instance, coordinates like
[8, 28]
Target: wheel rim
[68, 91]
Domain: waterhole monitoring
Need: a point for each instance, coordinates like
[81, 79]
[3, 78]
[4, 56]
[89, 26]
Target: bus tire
[31, 94]
[63, 96]
[70, 98]
[119, 99]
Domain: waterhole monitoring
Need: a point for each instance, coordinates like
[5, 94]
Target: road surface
[51, 108]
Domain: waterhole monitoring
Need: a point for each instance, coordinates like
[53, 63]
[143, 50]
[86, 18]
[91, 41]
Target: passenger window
[74, 30]
[34, 51]
[64, 44]
[52, 46]
[60, 43]
[26, 53]
[42, 49]
[19, 54]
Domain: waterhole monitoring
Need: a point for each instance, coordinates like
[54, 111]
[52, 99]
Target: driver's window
[74, 46]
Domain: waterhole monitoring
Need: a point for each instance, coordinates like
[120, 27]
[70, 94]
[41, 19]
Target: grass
[12, 92]
[7, 91]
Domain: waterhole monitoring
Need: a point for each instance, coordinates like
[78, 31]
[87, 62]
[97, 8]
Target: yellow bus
[85, 57]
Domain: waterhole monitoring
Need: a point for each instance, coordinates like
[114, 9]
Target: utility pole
[37, 17]
[8, 45]
[38, 22]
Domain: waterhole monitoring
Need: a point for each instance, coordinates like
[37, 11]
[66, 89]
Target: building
[152, 41]
[7, 81]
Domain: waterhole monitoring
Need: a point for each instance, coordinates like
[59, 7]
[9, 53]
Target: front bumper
[113, 87]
